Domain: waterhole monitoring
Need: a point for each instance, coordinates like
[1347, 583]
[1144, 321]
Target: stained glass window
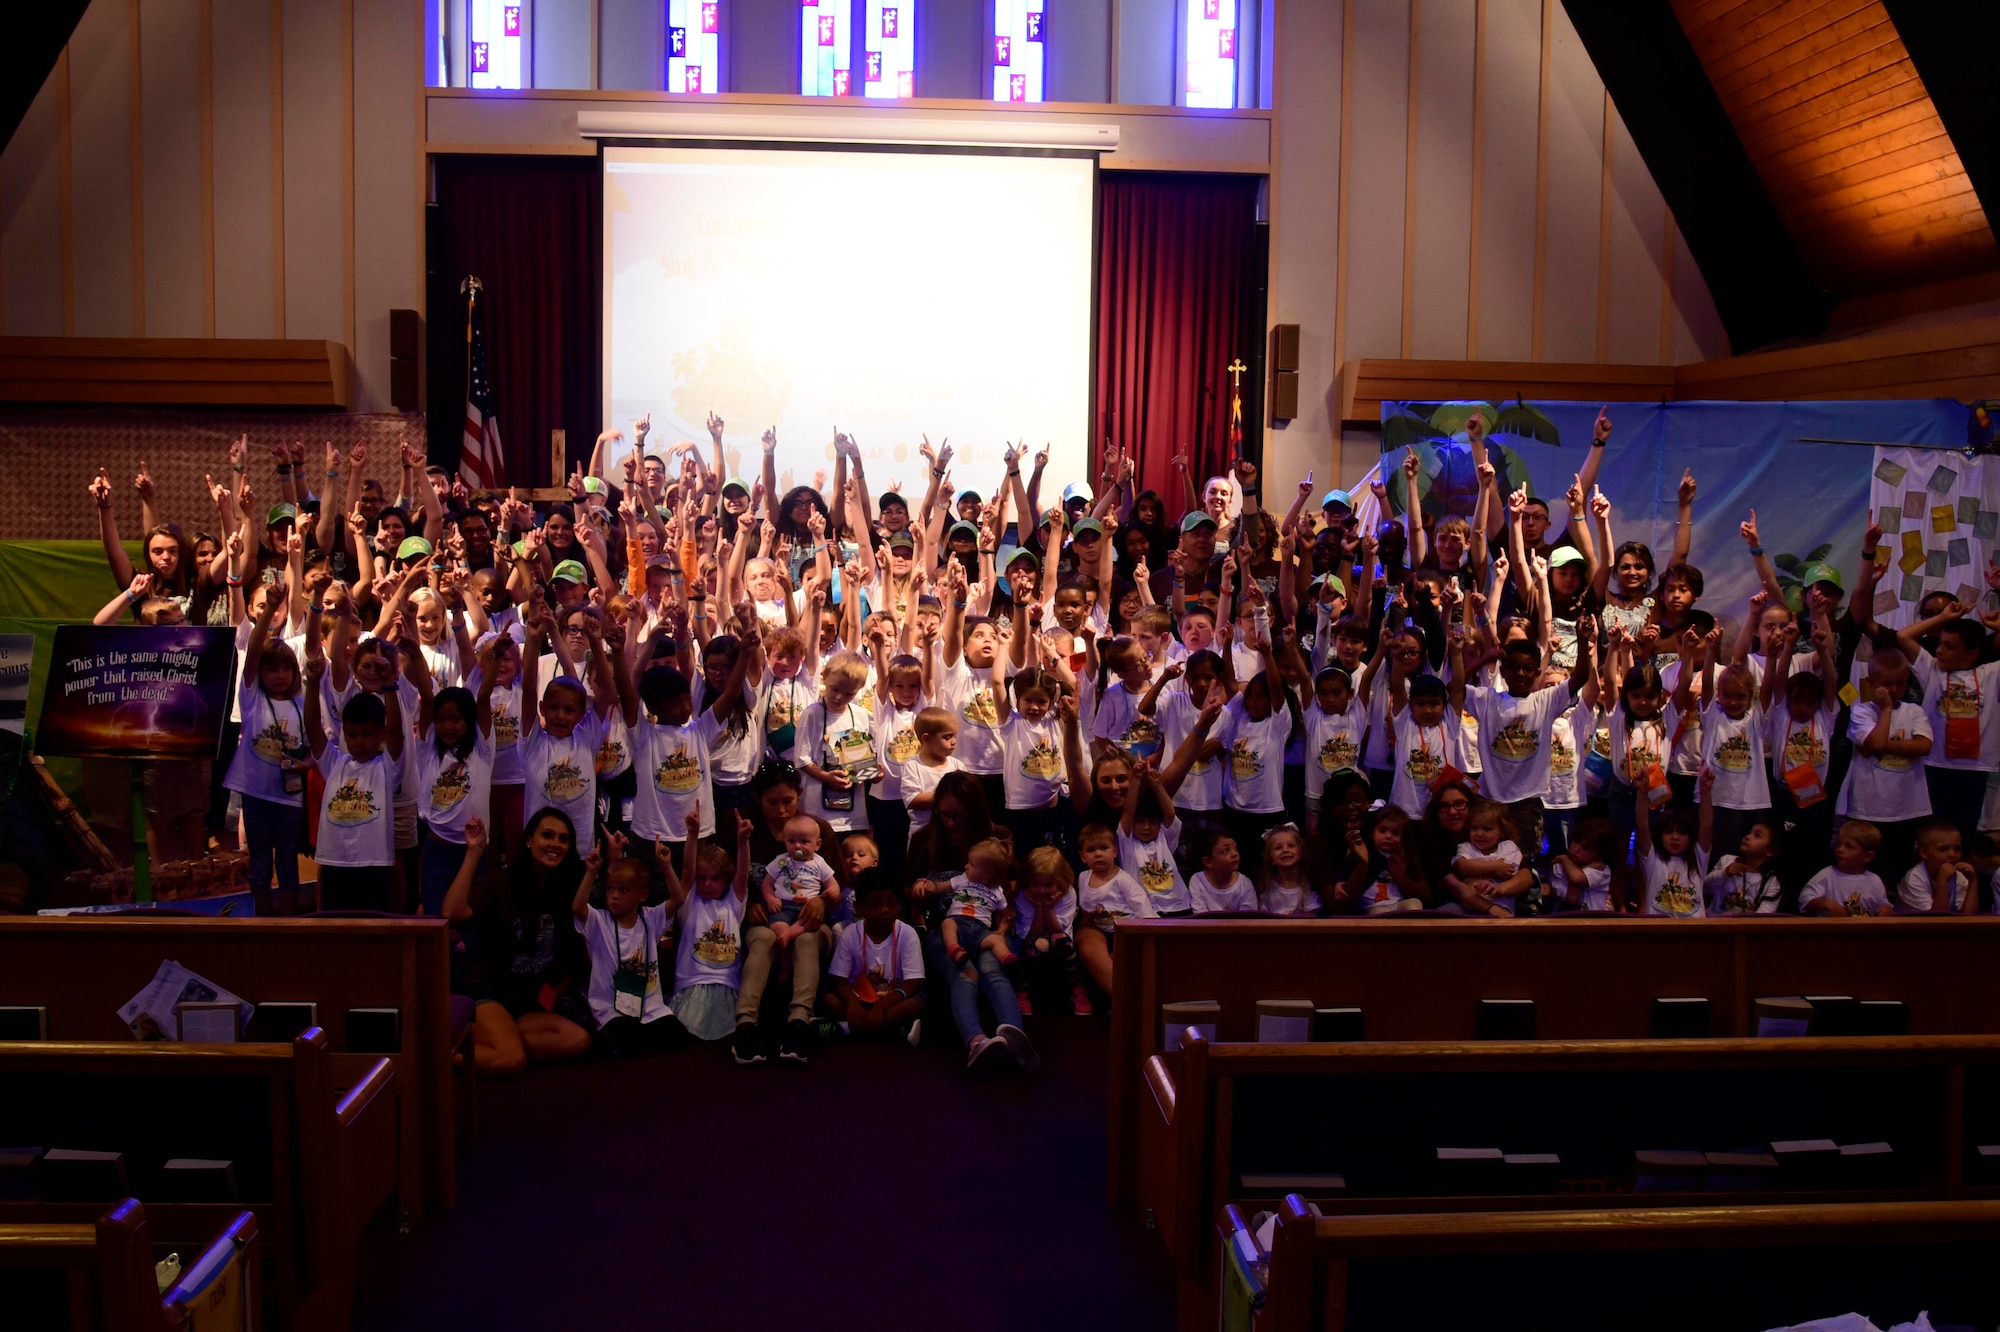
[495, 44]
[1017, 50]
[1211, 52]
[694, 34]
[823, 45]
[889, 45]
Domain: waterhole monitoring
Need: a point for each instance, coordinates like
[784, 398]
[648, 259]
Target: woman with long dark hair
[528, 969]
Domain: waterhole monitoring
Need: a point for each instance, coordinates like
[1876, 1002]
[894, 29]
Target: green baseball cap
[735, 483]
[1562, 555]
[1338, 585]
[1340, 497]
[1821, 573]
[1086, 524]
[964, 528]
[593, 485]
[413, 548]
[902, 539]
[1196, 518]
[281, 513]
[1022, 554]
[571, 570]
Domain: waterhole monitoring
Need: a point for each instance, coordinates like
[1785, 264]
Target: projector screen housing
[892, 293]
[823, 127]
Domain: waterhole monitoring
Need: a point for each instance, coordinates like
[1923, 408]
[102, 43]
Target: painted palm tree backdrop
[1811, 495]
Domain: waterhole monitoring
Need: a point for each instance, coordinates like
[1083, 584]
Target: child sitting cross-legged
[1848, 887]
[707, 899]
[1043, 935]
[878, 966]
[622, 939]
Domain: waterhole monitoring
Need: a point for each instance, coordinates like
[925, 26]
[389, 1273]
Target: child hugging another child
[1106, 894]
[877, 967]
[1486, 876]
[1043, 937]
[707, 900]
[622, 940]
[1581, 874]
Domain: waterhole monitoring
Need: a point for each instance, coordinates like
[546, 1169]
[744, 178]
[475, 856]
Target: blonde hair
[934, 721]
[1049, 862]
[1487, 811]
[999, 851]
[845, 671]
[1863, 834]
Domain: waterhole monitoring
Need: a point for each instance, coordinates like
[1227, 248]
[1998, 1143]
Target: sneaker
[983, 1050]
[914, 1032]
[1079, 1002]
[826, 1029]
[792, 1048]
[1021, 1001]
[746, 1045]
[1018, 1046]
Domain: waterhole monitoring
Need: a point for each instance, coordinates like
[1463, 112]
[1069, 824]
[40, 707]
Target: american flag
[481, 462]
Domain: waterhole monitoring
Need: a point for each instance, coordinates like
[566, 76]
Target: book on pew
[1284, 1021]
[1783, 1016]
[1835, 1014]
[1338, 1024]
[1982, 1168]
[375, 1031]
[191, 1179]
[23, 1022]
[210, 1022]
[281, 1021]
[1531, 1172]
[17, 1172]
[67, 1174]
[1464, 1170]
[1868, 1165]
[1739, 1172]
[1273, 1182]
[1668, 1171]
[1806, 1163]
[1201, 1014]
[1882, 1017]
[1678, 1017]
[1506, 1019]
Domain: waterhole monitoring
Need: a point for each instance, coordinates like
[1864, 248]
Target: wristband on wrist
[236, 467]
[284, 469]
[1759, 550]
[331, 474]
[234, 580]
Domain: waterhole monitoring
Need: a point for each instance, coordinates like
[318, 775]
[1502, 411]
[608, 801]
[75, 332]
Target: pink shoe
[1021, 1002]
[1079, 1000]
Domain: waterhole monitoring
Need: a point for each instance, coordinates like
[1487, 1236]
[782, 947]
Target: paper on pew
[153, 1013]
[1854, 1322]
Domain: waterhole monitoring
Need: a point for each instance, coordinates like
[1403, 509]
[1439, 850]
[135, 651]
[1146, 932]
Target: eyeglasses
[1454, 804]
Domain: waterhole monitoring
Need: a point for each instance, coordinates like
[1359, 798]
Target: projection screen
[890, 294]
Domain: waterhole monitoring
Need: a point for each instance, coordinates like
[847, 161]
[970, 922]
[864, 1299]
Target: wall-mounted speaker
[1284, 346]
[1284, 395]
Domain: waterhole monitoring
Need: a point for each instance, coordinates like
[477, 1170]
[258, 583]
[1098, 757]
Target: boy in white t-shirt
[1962, 701]
[560, 738]
[937, 743]
[878, 968]
[622, 939]
[1939, 862]
[1516, 730]
[1218, 885]
[1148, 832]
[357, 827]
[1885, 783]
[1848, 887]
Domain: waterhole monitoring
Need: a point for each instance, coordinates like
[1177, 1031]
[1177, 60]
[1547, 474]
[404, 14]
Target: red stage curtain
[1172, 281]
[532, 230]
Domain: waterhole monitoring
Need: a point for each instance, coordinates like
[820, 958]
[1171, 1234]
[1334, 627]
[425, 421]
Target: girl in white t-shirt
[1031, 753]
[504, 701]
[1484, 871]
[1733, 738]
[1106, 894]
[836, 749]
[1581, 875]
[1148, 832]
[1254, 730]
[1044, 929]
[357, 827]
[1284, 886]
[1743, 881]
[707, 899]
[1670, 874]
[451, 769]
[901, 699]
[1217, 885]
[269, 767]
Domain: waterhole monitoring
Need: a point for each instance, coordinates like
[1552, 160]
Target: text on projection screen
[893, 295]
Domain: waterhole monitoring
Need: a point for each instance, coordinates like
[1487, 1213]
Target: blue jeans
[964, 993]
[273, 831]
[438, 867]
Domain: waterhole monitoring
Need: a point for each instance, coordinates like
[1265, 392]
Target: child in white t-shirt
[1939, 862]
[878, 967]
[1336, 724]
[1743, 882]
[451, 768]
[1429, 741]
[1485, 875]
[1284, 886]
[1671, 873]
[1031, 752]
[707, 900]
[1580, 876]
[1043, 936]
[1733, 733]
[1106, 894]
[937, 744]
[976, 911]
[1148, 832]
[1848, 887]
[1885, 782]
[622, 940]
[836, 749]
[1217, 885]
[357, 828]
[795, 878]
[560, 738]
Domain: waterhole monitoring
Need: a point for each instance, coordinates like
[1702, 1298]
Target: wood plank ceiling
[1831, 111]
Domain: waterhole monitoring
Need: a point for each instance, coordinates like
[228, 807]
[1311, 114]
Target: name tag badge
[629, 992]
[1805, 783]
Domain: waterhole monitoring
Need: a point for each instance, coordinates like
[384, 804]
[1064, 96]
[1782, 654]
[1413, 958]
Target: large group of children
[736, 735]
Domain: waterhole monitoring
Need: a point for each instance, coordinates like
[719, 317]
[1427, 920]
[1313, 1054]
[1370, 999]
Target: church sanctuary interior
[1175, 665]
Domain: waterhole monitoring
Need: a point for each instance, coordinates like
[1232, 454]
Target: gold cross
[1236, 369]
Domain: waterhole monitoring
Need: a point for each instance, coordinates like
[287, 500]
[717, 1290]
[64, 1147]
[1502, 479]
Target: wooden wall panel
[1510, 97]
[100, 126]
[315, 172]
[388, 244]
[1638, 233]
[31, 276]
[1697, 333]
[1379, 104]
[171, 162]
[246, 304]
[175, 371]
[1575, 189]
[1305, 204]
[1441, 264]
[1147, 40]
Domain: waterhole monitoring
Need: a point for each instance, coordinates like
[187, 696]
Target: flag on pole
[481, 462]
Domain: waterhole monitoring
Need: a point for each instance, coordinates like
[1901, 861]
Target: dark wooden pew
[312, 1136]
[108, 1271]
[1310, 1277]
[1216, 1113]
[1591, 979]
[84, 968]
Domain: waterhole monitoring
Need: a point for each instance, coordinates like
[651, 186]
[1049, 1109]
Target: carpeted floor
[879, 1188]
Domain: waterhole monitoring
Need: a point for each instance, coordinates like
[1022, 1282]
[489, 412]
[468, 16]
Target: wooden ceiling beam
[1798, 43]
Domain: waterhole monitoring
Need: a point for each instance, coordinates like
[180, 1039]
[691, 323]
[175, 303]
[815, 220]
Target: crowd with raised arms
[683, 736]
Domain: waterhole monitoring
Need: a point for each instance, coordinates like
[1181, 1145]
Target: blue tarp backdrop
[1811, 499]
